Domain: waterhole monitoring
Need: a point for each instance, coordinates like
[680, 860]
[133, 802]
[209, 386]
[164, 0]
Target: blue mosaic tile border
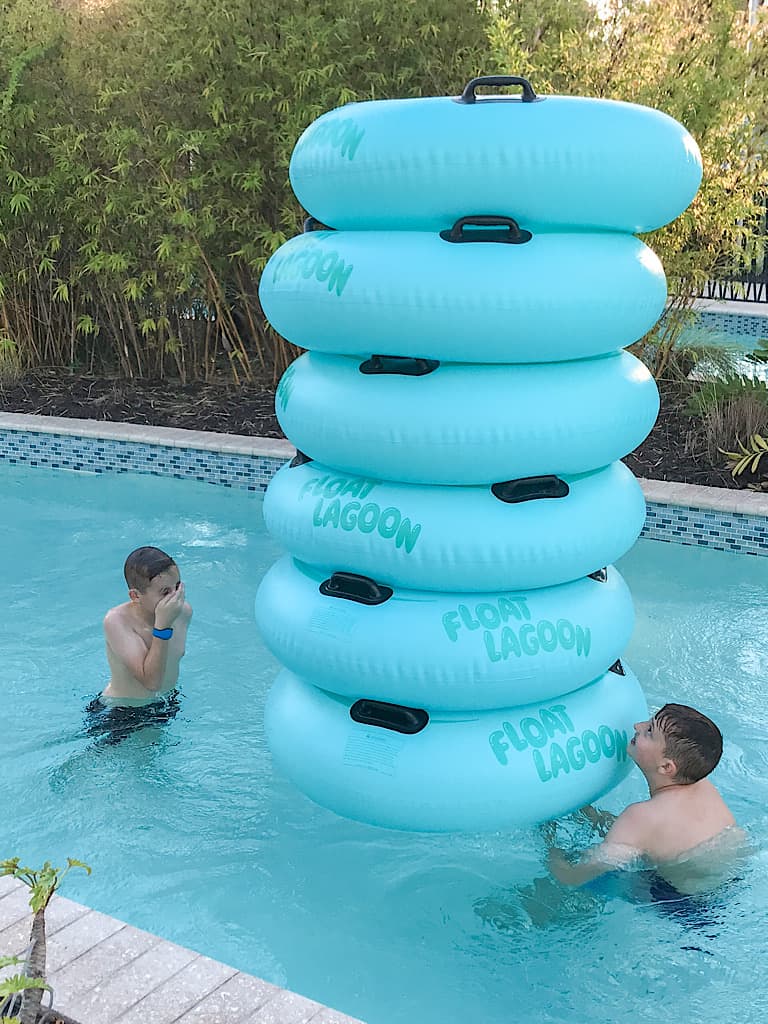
[94, 455]
[677, 524]
[707, 528]
[740, 325]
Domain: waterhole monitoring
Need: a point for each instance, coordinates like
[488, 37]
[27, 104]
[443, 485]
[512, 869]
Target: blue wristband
[163, 634]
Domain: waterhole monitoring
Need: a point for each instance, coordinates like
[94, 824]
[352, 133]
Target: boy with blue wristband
[146, 636]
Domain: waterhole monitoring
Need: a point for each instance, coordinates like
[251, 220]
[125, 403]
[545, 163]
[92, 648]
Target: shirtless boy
[146, 636]
[684, 830]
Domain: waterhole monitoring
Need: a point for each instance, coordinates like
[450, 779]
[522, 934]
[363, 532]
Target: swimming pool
[191, 836]
[735, 333]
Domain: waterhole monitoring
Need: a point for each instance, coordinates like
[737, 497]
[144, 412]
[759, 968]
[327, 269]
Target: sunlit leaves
[19, 983]
[41, 882]
[690, 59]
[144, 160]
[20, 203]
[86, 325]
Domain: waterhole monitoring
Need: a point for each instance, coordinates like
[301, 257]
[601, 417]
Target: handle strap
[507, 230]
[468, 96]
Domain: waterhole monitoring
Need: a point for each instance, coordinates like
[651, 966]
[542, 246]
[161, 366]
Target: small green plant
[10, 361]
[13, 986]
[716, 392]
[748, 459]
[760, 354]
[42, 884]
[720, 422]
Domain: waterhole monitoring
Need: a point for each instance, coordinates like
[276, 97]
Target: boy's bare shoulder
[633, 825]
[640, 811]
[118, 618]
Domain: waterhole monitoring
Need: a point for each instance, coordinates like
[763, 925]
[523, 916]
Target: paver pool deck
[103, 971]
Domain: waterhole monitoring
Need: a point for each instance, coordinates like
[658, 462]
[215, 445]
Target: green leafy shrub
[751, 462]
[15, 985]
[145, 151]
[689, 58]
[727, 389]
[10, 361]
[42, 884]
[694, 357]
[760, 354]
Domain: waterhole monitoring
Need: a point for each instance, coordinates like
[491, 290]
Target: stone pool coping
[718, 498]
[104, 971]
[202, 440]
[721, 499]
[679, 513]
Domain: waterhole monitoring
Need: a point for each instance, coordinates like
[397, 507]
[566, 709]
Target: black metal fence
[747, 284]
[748, 288]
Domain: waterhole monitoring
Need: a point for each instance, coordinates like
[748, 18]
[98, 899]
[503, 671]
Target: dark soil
[221, 407]
[672, 451]
[675, 450]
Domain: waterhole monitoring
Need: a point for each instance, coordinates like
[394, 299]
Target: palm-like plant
[748, 458]
[42, 884]
[13, 987]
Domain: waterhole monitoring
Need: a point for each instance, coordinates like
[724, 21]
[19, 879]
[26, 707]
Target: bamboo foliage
[698, 61]
[144, 150]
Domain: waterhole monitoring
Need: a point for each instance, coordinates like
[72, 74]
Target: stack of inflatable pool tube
[447, 613]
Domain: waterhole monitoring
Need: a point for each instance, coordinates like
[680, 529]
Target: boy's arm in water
[146, 665]
[624, 842]
[601, 821]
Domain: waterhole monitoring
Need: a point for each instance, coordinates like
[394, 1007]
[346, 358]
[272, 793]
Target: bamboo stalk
[133, 337]
[247, 307]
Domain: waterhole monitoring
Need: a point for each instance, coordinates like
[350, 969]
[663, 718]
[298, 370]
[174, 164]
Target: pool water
[738, 346]
[191, 836]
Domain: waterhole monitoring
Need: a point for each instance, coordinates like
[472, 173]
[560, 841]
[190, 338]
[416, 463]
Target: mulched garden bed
[674, 450]
[221, 407]
[671, 452]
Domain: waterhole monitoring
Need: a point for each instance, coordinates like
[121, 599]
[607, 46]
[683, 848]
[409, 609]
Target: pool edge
[728, 520]
[95, 962]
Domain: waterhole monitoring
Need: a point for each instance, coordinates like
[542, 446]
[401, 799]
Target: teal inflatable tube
[453, 771]
[556, 297]
[442, 651]
[420, 164]
[513, 536]
[465, 423]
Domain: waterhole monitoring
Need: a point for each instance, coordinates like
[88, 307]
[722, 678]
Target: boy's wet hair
[143, 564]
[691, 740]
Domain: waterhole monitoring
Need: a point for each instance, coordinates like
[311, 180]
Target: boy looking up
[684, 830]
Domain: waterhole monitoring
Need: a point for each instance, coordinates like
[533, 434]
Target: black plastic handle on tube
[530, 488]
[351, 587]
[299, 459]
[396, 717]
[313, 224]
[468, 96]
[403, 366]
[506, 230]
